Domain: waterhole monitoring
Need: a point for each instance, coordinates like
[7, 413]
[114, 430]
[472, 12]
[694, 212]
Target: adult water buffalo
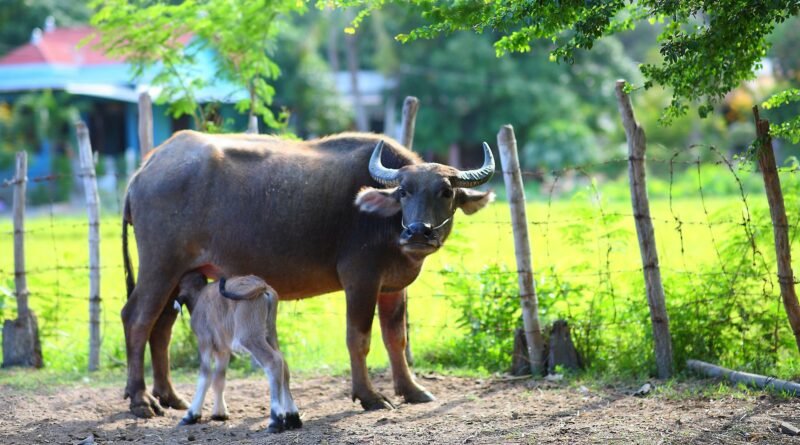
[307, 217]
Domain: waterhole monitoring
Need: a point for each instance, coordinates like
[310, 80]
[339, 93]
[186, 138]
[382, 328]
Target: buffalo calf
[230, 316]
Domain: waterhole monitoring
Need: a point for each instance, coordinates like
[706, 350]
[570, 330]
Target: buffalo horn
[474, 178]
[386, 176]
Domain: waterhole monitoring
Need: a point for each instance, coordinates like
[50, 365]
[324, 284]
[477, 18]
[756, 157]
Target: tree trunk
[21, 346]
[93, 212]
[780, 225]
[644, 230]
[252, 125]
[507, 145]
[351, 47]
[145, 125]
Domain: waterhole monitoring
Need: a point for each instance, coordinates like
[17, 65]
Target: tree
[708, 47]
[170, 41]
[19, 17]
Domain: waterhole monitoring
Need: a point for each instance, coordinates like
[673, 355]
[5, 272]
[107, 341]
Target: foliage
[489, 312]
[789, 129]
[708, 48]
[34, 120]
[309, 94]
[172, 40]
[465, 99]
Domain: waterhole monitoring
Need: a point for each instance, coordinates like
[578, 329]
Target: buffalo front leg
[360, 312]
[392, 313]
[159, 352]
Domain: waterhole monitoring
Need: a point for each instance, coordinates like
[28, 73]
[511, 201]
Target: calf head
[427, 195]
[190, 287]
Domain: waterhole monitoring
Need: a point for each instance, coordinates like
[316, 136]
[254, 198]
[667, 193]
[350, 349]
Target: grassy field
[587, 242]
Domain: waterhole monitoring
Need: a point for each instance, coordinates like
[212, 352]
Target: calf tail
[234, 296]
[126, 257]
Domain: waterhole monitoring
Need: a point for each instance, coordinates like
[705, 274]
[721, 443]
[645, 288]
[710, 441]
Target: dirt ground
[468, 411]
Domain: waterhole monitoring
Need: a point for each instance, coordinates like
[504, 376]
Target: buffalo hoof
[379, 401]
[293, 421]
[277, 423]
[171, 400]
[421, 396]
[190, 419]
[146, 406]
[220, 417]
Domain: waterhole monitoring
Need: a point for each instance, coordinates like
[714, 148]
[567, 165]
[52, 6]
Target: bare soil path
[468, 411]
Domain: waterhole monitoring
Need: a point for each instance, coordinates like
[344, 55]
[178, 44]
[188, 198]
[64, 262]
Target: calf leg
[159, 352]
[392, 313]
[272, 363]
[292, 414]
[203, 382]
[139, 314]
[360, 312]
[220, 411]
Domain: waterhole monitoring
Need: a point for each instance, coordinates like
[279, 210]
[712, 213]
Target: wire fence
[716, 259]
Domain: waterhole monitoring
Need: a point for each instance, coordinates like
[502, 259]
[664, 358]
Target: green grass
[571, 242]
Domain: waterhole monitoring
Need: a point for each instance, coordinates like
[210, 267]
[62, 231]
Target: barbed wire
[597, 278]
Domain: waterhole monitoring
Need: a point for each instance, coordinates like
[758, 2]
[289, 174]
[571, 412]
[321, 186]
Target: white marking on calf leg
[272, 363]
[203, 382]
[220, 410]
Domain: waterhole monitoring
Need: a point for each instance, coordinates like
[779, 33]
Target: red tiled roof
[60, 46]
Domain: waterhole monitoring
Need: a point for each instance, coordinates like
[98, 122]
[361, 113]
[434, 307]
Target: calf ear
[470, 201]
[383, 202]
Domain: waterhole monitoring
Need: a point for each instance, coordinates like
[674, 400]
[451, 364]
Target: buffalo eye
[403, 193]
[446, 193]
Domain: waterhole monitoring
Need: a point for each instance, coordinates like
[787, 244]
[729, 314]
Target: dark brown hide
[284, 211]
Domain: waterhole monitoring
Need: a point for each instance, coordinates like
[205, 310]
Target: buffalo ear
[470, 201]
[383, 202]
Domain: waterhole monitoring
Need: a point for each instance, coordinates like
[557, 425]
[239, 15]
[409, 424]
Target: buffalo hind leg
[360, 313]
[159, 352]
[392, 313]
[139, 315]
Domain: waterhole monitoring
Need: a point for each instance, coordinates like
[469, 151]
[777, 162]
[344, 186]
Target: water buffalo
[353, 211]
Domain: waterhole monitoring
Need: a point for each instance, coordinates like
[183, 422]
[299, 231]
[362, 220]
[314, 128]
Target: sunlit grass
[574, 238]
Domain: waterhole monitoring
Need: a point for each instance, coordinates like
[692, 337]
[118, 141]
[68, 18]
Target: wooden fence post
[145, 124]
[637, 144]
[93, 212]
[21, 346]
[507, 145]
[780, 225]
[252, 125]
[410, 108]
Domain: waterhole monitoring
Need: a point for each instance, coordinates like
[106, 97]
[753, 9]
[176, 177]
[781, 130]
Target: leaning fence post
[780, 225]
[410, 108]
[145, 124]
[21, 346]
[507, 145]
[93, 212]
[637, 144]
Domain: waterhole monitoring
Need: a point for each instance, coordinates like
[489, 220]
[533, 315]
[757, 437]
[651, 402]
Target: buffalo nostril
[419, 228]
